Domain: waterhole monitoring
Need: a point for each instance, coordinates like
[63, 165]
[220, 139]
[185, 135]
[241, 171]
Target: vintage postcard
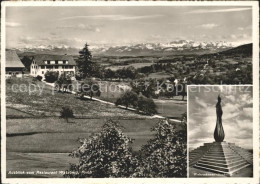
[130, 92]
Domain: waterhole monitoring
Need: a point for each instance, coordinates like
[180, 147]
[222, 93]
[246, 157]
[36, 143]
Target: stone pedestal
[220, 157]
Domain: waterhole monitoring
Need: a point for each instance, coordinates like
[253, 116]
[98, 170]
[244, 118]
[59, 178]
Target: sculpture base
[221, 158]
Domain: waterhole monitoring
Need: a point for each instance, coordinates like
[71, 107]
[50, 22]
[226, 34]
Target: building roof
[12, 60]
[39, 59]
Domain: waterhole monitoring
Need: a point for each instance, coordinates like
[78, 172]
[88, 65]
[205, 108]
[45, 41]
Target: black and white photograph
[220, 131]
[100, 89]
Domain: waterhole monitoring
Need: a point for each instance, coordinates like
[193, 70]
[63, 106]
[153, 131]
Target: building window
[64, 62]
[71, 67]
[56, 62]
[48, 62]
[42, 67]
[66, 67]
[62, 67]
[42, 72]
[56, 67]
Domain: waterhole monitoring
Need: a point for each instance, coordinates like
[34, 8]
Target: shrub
[39, 77]
[166, 154]
[105, 154]
[51, 76]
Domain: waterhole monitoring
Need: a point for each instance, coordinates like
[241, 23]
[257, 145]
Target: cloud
[93, 28]
[12, 24]
[240, 36]
[218, 10]
[208, 26]
[113, 17]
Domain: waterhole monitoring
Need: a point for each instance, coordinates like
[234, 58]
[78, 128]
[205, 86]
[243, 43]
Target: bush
[106, 154]
[39, 77]
[51, 76]
[166, 154]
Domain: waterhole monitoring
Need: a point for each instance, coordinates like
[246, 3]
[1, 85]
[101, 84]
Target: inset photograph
[220, 131]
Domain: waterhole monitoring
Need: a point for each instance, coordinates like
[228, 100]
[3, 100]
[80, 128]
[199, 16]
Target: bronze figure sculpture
[219, 134]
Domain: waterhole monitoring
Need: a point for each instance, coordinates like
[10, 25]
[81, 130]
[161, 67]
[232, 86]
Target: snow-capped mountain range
[145, 49]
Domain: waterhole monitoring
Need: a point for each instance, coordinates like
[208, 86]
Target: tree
[66, 113]
[64, 83]
[51, 76]
[147, 88]
[89, 87]
[86, 67]
[105, 154]
[109, 74]
[166, 154]
[127, 99]
[146, 105]
[27, 61]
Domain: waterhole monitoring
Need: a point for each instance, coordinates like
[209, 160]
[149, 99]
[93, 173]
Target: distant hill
[245, 50]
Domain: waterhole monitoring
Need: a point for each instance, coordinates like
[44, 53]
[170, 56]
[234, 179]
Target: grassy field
[53, 163]
[49, 103]
[173, 108]
[56, 136]
[158, 75]
[135, 65]
[38, 144]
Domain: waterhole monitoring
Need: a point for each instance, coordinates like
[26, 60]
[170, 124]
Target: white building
[58, 63]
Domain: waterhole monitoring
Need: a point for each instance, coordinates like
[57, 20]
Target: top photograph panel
[184, 44]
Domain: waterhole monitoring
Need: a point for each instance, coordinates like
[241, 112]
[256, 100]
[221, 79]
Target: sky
[74, 26]
[237, 118]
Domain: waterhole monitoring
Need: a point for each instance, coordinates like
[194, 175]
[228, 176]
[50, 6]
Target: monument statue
[220, 157]
[219, 134]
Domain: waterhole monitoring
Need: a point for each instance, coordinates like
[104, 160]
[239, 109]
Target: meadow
[135, 65]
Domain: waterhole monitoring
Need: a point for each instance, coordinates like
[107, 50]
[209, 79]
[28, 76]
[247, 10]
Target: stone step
[215, 167]
[238, 162]
[237, 166]
[212, 170]
[218, 154]
[234, 160]
[213, 163]
[222, 156]
[213, 160]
